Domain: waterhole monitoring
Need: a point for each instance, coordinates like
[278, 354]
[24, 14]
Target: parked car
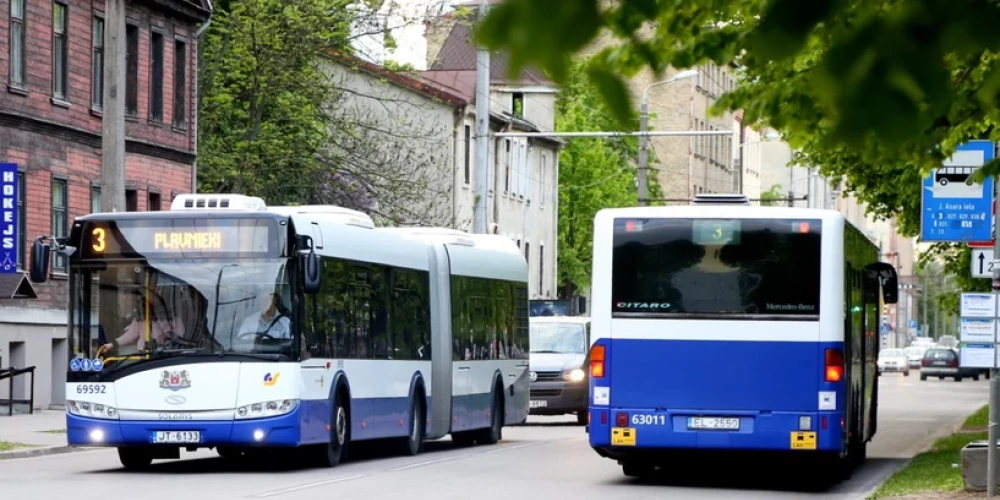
[893, 361]
[942, 362]
[559, 382]
[914, 354]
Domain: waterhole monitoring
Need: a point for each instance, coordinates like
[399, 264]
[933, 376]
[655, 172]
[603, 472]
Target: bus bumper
[765, 432]
[280, 431]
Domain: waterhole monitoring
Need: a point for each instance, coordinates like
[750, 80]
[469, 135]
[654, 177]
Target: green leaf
[611, 87]
[787, 24]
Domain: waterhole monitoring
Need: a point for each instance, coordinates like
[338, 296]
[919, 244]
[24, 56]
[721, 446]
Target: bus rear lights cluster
[805, 423]
[267, 409]
[822, 422]
[92, 410]
[621, 419]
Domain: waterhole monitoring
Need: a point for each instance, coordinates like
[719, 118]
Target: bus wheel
[229, 453]
[332, 453]
[582, 417]
[414, 442]
[495, 431]
[134, 459]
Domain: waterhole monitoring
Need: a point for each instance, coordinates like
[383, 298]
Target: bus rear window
[716, 267]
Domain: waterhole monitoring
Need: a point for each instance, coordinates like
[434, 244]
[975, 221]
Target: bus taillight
[597, 361]
[834, 370]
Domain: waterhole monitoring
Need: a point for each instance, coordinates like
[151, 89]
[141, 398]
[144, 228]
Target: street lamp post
[643, 126]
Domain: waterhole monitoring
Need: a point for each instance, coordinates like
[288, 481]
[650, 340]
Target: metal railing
[10, 374]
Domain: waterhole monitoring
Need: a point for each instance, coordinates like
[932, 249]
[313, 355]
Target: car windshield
[237, 306]
[915, 351]
[939, 354]
[891, 353]
[558, 338]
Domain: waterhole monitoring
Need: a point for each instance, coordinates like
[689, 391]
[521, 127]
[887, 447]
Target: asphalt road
[548, 458]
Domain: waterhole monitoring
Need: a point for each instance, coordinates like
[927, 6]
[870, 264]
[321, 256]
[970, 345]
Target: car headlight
[574, 375]
[91, 410]
[266, 409]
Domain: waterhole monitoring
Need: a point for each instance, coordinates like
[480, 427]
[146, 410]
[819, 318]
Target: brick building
[51, 96]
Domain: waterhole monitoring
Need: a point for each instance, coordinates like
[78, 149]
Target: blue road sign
[955, 208]
[8, 218]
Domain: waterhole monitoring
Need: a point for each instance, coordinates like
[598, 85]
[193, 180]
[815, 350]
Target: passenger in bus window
[162, 325]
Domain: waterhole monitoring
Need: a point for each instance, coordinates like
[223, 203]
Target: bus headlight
[574, 375]
[266, 409]
[91, 410]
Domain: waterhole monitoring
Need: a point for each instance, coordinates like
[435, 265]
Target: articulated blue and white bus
[731, 327]
[224, 323]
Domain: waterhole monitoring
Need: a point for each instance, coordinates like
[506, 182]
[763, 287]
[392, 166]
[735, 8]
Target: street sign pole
[991, 457]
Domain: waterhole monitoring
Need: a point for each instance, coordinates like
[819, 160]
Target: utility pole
[899, 342]
[926, 295]
[479, 220]
[113, 122]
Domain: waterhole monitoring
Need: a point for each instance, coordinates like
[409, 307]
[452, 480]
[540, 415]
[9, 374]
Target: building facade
[436, 111]
[51, 69]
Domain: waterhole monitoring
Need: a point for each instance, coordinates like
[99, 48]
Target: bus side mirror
[39, 268]
[886, 275]
[311, 273]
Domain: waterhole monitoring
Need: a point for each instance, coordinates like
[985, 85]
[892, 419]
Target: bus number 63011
[649, 420]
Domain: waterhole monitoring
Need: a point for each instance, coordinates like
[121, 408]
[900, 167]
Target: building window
[527, 254]
[541, 268]
[468, 153]
[97, 65]
[22, 220]
[60, 74]
[60, 218]
[541, 180]
[506, 165]
[156, 77]
[18, 59]
[131, 200]
[180, 83]
[131, 70]
[153, 202]
[95, 199]
[518, 104]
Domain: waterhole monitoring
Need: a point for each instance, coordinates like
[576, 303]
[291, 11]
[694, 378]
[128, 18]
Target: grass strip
[9, 446]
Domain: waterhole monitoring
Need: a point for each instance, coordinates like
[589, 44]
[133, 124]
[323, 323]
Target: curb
[40, 452]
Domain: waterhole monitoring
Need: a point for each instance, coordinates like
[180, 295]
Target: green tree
[594, 173]
[277, 120]
[874, 93]
[772, 197]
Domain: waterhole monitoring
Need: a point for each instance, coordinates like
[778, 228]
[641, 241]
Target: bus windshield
[154, 307]
[716, 267]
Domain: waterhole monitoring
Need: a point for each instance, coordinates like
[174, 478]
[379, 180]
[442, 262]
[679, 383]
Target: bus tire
[582, 417]
[134, 459]
[229, 453]
[332, 453]
[413, 443]
[494, 432]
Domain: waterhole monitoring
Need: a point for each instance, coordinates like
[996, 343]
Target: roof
[410, 81]
[579, 320]
[459, 54]
[16, 286]
[190, 10]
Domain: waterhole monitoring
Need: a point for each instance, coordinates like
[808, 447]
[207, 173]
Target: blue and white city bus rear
[722, 328]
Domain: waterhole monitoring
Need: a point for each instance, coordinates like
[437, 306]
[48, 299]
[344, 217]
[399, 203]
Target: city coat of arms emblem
[175, 381]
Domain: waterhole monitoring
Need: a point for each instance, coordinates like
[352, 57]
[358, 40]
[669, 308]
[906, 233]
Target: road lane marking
[467, 455]
[307, 486]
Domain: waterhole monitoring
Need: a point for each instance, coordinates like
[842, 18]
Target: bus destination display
[178, 238]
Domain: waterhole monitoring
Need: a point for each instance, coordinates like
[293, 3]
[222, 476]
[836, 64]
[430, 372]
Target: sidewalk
[42, 433]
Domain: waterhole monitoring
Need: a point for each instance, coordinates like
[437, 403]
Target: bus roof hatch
[229, 202]
[720, 199]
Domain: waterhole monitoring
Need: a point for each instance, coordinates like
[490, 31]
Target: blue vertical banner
[8, 218]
